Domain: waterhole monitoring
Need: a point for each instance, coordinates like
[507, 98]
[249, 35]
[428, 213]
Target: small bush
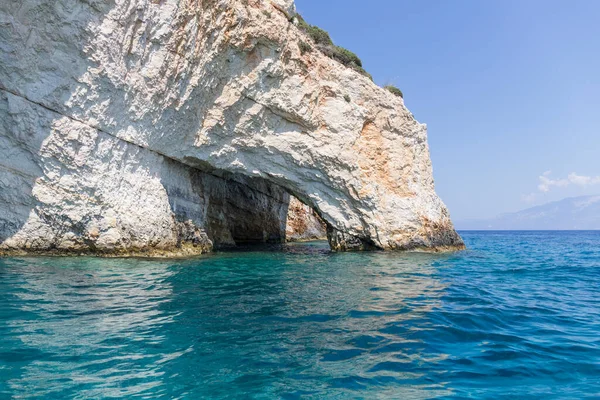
[325, 45]
[319, 36]
[346, 57]
[394, 90]
[347, 98]
[267, 13]
[304, 47]
[302, 24]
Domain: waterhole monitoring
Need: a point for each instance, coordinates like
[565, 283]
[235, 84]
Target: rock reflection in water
[286, 323]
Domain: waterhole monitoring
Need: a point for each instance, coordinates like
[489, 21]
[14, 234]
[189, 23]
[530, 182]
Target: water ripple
[518, 315]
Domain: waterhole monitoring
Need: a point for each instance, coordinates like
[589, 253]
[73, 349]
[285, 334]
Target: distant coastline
[571, 214]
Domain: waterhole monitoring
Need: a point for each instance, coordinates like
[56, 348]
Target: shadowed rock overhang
[170, 126]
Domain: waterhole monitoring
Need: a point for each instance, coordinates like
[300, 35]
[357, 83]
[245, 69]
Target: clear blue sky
[509, 90]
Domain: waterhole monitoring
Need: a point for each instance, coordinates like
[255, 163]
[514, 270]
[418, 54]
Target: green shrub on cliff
[324, 43]
[394, 90]
[318, 35]
[346, 57]
[304, 47]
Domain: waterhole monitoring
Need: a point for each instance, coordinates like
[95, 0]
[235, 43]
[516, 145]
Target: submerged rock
[170, 127]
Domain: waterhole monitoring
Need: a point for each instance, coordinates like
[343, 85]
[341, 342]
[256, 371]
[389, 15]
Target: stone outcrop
[169, 127]
[80, 190]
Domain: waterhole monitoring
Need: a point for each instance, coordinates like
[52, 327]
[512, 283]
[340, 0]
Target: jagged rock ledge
[174, 127]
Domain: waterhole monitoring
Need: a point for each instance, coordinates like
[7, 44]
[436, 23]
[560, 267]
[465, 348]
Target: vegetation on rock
[318, 35]
[394, 90]
[324, 43]
[304, 47]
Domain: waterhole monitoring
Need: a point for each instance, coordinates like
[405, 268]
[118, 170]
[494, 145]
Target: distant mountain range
[576, 213]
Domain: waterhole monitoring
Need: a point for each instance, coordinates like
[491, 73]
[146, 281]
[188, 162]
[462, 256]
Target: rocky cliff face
[303, 223]
[171, 126]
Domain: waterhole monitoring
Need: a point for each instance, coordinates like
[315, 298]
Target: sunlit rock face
[79, 190]
[303, 223]
[173, 125]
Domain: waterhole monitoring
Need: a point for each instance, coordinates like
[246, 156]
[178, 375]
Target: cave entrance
[243, 211]
[235, 210]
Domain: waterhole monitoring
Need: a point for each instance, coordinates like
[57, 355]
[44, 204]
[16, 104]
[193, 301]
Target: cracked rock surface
[303, 223]
[173, 126]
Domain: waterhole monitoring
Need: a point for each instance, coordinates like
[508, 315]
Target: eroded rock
[110, 111]
[303, 223]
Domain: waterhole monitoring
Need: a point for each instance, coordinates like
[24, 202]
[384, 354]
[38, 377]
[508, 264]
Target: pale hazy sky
[510, 90]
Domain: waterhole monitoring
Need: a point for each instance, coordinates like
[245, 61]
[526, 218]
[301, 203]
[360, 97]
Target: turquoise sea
[516, 316]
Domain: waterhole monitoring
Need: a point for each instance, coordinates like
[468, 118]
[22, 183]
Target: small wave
[516, 316]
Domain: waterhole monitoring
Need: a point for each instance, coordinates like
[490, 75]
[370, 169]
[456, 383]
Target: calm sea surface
[515, 316]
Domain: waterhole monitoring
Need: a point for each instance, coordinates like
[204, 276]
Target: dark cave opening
[235, 210]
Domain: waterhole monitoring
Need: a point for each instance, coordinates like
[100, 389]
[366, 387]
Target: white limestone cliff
[169, 125]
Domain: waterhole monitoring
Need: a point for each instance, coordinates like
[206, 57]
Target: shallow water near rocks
[517, 315]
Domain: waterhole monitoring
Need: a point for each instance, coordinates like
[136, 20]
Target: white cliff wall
[69, 188]
[221, 86]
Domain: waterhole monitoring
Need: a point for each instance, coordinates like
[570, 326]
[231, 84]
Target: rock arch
[220, 87]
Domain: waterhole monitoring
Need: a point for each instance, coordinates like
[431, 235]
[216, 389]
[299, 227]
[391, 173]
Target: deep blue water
[515, 316]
